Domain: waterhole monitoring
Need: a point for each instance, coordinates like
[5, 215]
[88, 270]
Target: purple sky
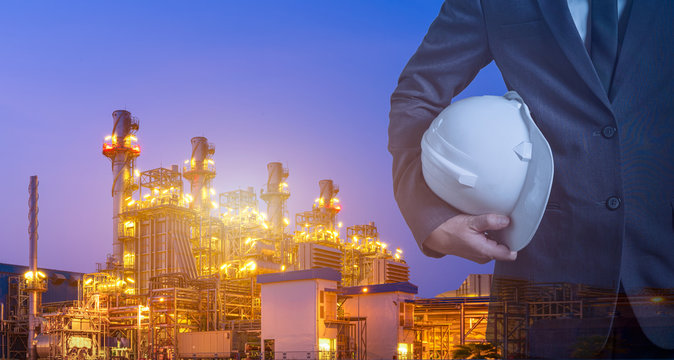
[306, 83]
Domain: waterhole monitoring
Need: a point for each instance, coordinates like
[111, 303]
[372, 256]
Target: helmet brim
[530, 206]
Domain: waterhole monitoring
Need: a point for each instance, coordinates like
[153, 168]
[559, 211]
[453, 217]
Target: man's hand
[464, 236]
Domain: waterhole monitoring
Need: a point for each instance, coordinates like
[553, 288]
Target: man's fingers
[497, 251]
[482, 223]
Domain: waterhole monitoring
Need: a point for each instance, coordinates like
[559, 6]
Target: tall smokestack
[276, 196]
[199, 172]
[327, 200]
[122, 152]
[33, 293]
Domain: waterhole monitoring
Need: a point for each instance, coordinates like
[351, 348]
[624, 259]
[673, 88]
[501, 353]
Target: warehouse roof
[321, 273]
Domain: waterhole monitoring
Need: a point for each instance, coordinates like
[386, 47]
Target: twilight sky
[306, 83]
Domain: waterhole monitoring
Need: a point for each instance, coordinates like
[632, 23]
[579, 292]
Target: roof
[321, 273]
[405, 286]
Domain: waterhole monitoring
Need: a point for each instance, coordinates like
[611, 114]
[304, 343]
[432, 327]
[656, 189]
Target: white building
[295, 305]
[388, 310]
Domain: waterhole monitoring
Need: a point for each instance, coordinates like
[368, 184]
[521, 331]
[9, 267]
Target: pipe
[276, 196]
[32, 264]
[199, 174]
[328, 190]
[121, 172]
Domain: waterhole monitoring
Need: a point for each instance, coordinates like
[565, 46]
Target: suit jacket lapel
[636, 33]
[558, 17]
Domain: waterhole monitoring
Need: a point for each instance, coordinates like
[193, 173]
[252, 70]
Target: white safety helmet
[485, 155]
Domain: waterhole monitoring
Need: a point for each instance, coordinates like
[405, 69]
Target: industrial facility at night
[199, 274]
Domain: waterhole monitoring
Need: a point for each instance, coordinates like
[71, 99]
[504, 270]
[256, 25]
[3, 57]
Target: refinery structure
[199, 274]
[196, 274]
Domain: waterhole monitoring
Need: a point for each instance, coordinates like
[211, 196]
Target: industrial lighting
[215, 205]
[132, 138]
[161, 299]
[264, 225]
[364, 289]
[187, 161]
[399, 251]
[286, 221]
[40, 274]
[130, 280]
[136, 172]
[283, 268]
[657, 299]
[339, 224]
[88, 281]
[28, 275]
[131, 203]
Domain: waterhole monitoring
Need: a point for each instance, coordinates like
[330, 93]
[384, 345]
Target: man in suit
[597, 76]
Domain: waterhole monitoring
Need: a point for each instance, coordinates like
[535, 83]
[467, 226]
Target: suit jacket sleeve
[451, 54]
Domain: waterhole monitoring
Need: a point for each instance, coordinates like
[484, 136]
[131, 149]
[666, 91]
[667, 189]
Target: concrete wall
[289, 315]
[383, 328]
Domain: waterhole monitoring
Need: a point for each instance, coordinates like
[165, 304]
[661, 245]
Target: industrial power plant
[196, 274]
[199, 274]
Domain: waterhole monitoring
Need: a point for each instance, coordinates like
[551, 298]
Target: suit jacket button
[613, 203]
[608, 131]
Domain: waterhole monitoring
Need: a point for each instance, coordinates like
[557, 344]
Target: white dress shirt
[580, 10]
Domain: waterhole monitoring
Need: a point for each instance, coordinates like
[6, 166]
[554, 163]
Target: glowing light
[161, 299]
[164, 191]
[355, 238]
[324, 344]
[131, 203]
[130, 280]
[40, 274]
[339, 224]
[286, 221]
[225, 266]
[317, 200]
[335, 200]
[283, 268]
[128, 224]
[397, 256]
[109, 137]
[88, 281]
[251, 265]
[365, 289]
[28, 275]
[264, 225]
[136, 172]
[187, 162]
[399, 251]
[212, 191]
[657, 299]
[132, 138]
[210, 161]
[402, 350]
[215, 205]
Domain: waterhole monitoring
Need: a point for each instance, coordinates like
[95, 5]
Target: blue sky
[306, 83]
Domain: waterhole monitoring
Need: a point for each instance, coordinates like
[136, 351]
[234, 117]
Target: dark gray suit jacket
[616, 145]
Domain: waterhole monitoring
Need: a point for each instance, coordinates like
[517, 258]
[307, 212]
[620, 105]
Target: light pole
[358, 324]
[141, 308]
